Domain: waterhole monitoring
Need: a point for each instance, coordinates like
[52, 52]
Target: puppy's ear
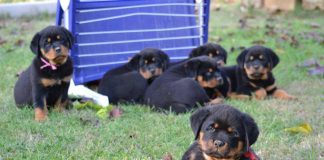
[134, 62]
[34, 44]
[69, 36]
[224, 52]
[197, 51]
[165, 60]
[197, 119]
[274, 59]
[241, 58]
[251, 130]
[192, 66]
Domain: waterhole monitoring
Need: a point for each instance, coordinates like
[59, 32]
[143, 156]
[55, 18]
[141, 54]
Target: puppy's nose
[219, 143]
[256, 67]
[58, 50]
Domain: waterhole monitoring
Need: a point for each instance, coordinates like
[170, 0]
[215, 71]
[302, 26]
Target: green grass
[143, 134]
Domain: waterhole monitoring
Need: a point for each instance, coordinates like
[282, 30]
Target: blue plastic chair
[109, 32]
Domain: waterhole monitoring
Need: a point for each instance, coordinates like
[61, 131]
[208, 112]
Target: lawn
[144, 134]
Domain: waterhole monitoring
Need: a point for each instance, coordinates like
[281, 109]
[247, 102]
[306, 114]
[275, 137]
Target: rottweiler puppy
[182, 87]
[212, 50]
[253, 76]
[46, 81]
[128, 82]
[222, 133]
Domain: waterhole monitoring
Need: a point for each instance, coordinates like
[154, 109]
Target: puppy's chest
[50, 82]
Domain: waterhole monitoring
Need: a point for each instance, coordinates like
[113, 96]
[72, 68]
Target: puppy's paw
[217, 101]
[260, 94]
[239, 96]
[281, 94]
[40, 114]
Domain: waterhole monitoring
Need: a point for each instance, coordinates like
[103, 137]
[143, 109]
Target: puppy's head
[212, 50]
[53, 44]
[257, 62]
[204, 69]
[150, 62]
[223, 132]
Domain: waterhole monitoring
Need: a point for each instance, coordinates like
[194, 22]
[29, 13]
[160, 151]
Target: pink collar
[47, 64]
[250, 155]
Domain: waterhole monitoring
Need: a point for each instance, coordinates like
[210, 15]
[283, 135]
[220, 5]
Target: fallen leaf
[258, 42]
[19, 43]
[314, 25]
[2, 41]
[167, 156]
[318, 37]
[103, 112]
[316, 71]
[243, 23]
[115, 113]
[304, 128]
[309, 63]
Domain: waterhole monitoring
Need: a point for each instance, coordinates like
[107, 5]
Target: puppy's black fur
[221, 132]
[252, 74]
[128, 82]
[43, 85]
[182, 87]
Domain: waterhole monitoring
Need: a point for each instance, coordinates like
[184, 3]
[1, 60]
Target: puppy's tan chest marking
[48, 82]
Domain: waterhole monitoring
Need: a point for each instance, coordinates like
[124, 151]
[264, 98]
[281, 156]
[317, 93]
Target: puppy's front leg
[62, 101]
[39, 102]
[281, 94]
[260, 94]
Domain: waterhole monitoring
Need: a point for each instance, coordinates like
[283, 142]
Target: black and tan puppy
[222, 133]
[182, 87]
[128, 82]
[212, 50]
[253, 76]
[46, 80]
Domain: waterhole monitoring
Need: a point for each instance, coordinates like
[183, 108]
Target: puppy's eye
[251, 58]
[210, 129]
[210, 70]
[153, 59]
[217, 52]
[145, 61]
[210, 55]
[58, 37]
[49, 40]
[234, 133]
[261, 56]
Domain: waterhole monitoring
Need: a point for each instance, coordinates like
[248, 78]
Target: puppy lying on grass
[183, 86]
[252, 75]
